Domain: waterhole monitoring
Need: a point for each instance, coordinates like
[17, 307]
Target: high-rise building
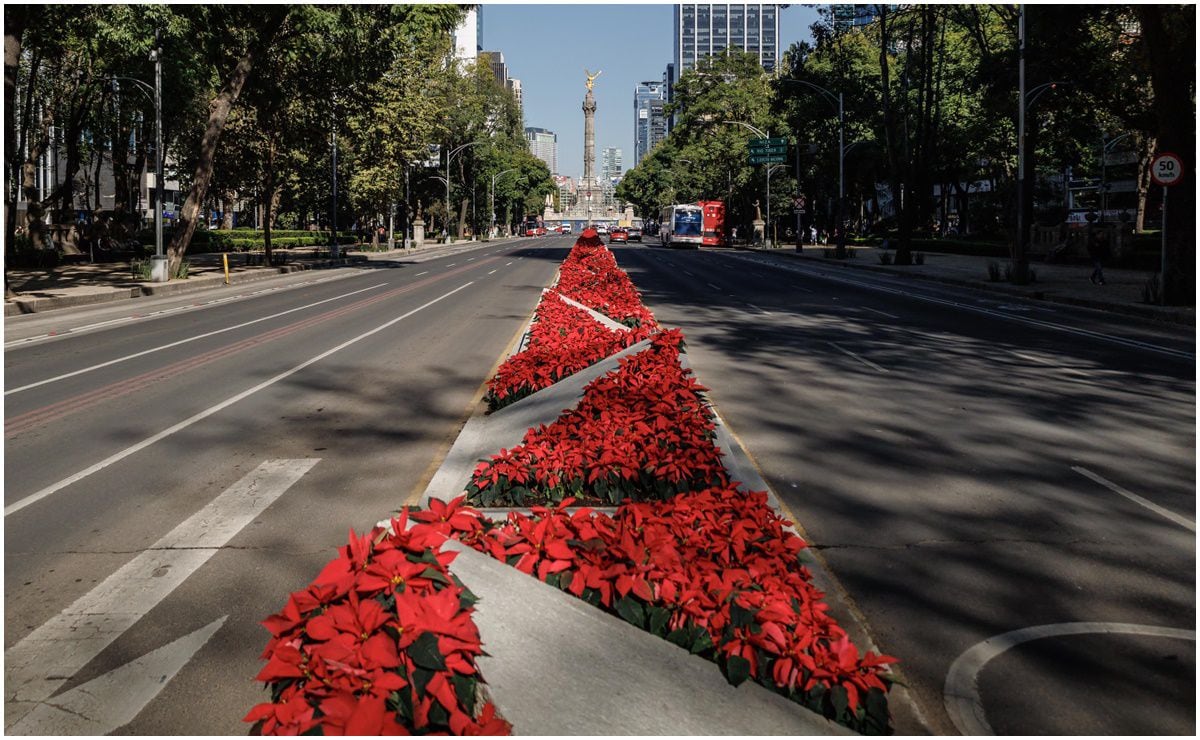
[496, 60]
[648, 126]
[610, 163]
[468, 36]
[514, 87]
[704, 29]
[544, 145]
[846, 16]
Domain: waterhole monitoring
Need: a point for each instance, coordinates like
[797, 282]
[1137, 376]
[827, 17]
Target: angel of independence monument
[589, 201]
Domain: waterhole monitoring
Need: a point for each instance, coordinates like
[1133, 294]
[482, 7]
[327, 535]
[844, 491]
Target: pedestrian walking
[1097, 247]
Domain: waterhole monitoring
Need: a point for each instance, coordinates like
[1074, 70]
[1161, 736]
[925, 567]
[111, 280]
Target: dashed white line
[145, 352]
[472, 259]
[861, 359]
[714, 287]
[419, 274]
[881, 313]
[506, 264]
[1166, 513]
[452, 264]
[138, 447]
[492, 272]
[797, 287]
[756, 308]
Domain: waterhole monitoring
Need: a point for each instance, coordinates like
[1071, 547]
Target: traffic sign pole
[1166, 170]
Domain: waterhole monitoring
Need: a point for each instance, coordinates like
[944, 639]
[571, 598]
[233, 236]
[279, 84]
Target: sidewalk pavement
[88, 283]
[1058, 283]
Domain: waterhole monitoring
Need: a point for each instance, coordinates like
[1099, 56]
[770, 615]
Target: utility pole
[159, 272]
[1020, 260]
[333, 245]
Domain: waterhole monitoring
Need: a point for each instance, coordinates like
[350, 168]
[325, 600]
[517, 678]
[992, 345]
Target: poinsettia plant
[381, 642]
[590, 275]
[563, 340]
[643, 430]
[716, 572]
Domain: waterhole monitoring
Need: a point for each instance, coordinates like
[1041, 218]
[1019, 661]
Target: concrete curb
[556, 665]
[1174, 316]
[483, 435]
[20, 307]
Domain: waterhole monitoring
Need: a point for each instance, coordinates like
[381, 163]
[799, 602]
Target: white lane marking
[153, 314]
[452, 264]
[419, 274]
[1048, 363]
[114, 699]
[52, 654]
[492, 272]
[756, 308]
[1165, 513]
[689, 274]
[1010, 317]
[117, 457]
[471, 259]
[961, 693]
[713, 286]
[863, 360]
[882, 313]
[143, 353]
[797, 287]
[506, 264]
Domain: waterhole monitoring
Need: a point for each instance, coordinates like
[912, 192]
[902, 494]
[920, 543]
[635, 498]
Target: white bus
[682, 226]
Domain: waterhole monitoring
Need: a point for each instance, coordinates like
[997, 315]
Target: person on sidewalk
[1097, 247]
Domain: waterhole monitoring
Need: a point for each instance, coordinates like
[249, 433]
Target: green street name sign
[775, 141]
[769, 150]
[767, 158]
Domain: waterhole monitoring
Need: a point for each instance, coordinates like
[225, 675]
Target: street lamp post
[158, 269]
[450, 156]
[492, 198]
[765, 135]
[841, 111]
[1106, 146]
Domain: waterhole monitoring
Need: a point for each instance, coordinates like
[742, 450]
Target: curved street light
[765, 135]
[450, 156]
[495, 177]
[837, 101]
[1106, 146]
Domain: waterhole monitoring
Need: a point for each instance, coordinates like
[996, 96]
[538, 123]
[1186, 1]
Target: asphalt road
[175, 476]
[968, 466]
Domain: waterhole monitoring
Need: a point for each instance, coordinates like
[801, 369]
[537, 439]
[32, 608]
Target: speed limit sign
[1166, 169]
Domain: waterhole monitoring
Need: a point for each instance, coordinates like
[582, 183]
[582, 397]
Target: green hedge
[248, 240]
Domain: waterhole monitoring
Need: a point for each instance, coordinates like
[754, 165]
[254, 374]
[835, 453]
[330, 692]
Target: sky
[547, 47]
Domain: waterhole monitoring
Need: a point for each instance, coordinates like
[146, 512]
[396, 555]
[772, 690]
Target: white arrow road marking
[104, 704]
[52, 654]
[961, 693]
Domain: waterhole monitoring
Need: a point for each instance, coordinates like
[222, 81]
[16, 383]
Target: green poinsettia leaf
[424, 652]
[737, 670]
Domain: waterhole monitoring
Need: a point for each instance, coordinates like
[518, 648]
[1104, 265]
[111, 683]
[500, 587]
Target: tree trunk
[890, 145]
[1145, 155]
[1170, 35]
[268, 192]
[218, 114]
[462, 218]
[227, 211]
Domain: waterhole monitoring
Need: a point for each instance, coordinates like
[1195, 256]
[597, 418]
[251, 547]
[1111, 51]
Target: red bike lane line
[36, 417]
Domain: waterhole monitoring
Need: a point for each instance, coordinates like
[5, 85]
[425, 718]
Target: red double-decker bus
[713, 234]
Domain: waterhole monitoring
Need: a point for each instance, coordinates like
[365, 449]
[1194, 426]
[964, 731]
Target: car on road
[635, 234]
[601, 229]
[618, 235]
[566, 228]
[540, 231]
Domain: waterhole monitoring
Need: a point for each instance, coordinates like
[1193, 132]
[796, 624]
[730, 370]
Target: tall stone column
[589, 137]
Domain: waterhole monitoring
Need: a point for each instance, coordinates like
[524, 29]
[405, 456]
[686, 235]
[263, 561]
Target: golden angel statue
[591, 77]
